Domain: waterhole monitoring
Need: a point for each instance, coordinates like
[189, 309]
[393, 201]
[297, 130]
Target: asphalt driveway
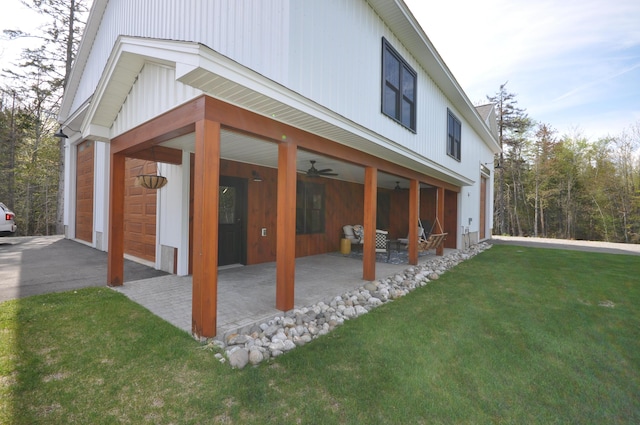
[36, 265]
[589, 246]
[42, 264]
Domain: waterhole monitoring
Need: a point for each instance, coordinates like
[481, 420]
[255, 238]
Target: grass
[515, 335]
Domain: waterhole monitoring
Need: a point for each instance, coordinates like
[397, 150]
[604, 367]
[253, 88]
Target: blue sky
[572, 64]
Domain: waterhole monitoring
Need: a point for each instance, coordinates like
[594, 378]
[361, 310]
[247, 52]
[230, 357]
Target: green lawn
[515, 336]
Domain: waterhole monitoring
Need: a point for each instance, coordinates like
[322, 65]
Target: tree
[625, 147]
[513, 123]
[566, 187]
[34, 119]
[8, 148]
[599, 182]
[541, 153]
[42, 75]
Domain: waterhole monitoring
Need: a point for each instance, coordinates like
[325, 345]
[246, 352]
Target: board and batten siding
[328, 51]
[254, 33]
[146, 100]
[336, 60]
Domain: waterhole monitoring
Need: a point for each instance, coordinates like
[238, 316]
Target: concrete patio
[246, 294]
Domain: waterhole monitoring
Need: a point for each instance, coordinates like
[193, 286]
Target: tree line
[31, 157]
[566, 186]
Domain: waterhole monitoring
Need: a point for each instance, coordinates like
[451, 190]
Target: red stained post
[115, 256]
[286, 227]
[440, 217]
[370, 205]
[205, 235]
[414, 208]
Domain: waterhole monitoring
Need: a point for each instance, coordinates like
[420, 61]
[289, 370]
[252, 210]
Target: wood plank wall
[451, 222]
[344, 205]
[399, 227]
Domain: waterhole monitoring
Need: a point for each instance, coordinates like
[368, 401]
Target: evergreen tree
[513, 124]
[37, 85]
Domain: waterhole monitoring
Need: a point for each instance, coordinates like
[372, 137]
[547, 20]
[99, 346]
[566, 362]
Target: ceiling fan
[314, 172]
[398, 187]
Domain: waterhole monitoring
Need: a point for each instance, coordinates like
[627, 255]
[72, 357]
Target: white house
[239, 102]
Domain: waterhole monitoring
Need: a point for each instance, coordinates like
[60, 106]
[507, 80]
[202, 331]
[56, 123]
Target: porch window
[227, 205]
[454, 131]
[310, 209]
[399, 83]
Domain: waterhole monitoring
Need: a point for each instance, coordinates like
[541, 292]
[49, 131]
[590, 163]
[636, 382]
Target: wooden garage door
[139, 212]
[84, 191]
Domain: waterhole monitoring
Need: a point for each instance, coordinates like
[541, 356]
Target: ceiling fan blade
[314, 172]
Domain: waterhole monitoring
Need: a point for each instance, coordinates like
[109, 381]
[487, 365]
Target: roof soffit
[223, 78]
[121, 72]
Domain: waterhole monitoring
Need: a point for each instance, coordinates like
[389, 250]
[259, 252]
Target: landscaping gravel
[297, 327]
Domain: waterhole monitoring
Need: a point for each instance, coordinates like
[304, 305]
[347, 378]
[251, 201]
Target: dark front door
[383, 204]
[232, 221]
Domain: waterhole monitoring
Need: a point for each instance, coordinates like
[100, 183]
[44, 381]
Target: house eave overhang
[225, 79]
[394, 12]
[220, 77]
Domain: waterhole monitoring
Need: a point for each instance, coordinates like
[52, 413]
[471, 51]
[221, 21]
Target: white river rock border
[299, 326]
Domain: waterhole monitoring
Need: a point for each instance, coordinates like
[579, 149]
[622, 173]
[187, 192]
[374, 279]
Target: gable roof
[485, 110]
[488, 114]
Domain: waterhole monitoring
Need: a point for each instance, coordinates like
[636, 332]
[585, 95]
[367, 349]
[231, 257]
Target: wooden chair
[432, 242]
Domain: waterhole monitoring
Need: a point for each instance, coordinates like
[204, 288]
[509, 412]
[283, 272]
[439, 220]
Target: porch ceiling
[252, 150]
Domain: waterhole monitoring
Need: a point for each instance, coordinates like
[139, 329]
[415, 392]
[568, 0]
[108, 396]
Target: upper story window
[454, 135]
[399, 83]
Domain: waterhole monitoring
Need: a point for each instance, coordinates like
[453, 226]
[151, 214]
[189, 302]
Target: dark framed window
[310, 209]
[454, 134]
[399, 85]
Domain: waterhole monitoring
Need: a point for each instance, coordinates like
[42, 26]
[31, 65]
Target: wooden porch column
[440, 217]
[370, 206]
[286, 227]
[414, 208]
[115, 256]
[205, 224]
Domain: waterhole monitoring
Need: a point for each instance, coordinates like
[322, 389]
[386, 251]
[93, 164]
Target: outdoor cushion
[349, 233]
[358, 231]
